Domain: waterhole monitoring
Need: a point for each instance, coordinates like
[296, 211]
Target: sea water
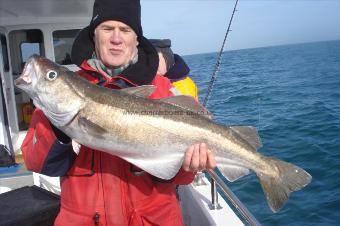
[291, 94]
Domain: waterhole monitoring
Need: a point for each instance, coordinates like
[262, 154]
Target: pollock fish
[152, 134]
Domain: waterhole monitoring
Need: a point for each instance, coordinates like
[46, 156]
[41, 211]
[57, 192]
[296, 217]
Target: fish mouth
[25, 80]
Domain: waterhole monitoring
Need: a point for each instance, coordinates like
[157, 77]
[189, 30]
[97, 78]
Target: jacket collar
[97, 77]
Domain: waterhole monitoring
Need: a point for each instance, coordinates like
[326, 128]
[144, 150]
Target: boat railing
[232, 198]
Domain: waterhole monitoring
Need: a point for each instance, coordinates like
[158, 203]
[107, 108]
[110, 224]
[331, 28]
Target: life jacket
[178, 76]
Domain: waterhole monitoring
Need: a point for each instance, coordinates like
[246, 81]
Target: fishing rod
[219, 58]
[215, 178]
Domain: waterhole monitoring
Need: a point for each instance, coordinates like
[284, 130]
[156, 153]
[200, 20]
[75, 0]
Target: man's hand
[198, 157]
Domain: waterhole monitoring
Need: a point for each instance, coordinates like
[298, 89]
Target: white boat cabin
[27, 27]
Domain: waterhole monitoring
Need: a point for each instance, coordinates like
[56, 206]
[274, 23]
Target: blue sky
[199, 26]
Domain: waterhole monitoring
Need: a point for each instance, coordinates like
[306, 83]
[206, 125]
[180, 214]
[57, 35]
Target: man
[98, 188]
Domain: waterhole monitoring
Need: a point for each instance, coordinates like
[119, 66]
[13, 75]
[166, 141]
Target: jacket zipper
[96, 219]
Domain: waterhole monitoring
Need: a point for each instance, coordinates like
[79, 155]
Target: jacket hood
[179, 70]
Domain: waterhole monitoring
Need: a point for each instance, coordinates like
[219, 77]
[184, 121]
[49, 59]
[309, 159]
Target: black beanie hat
[126, 11]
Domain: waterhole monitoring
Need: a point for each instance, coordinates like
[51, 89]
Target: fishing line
[219, 58]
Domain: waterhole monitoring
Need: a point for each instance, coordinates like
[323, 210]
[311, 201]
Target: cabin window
[4, 52]
[62, 42]
[28, 49]
[23, 44]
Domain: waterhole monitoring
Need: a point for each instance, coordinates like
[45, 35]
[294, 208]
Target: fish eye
[51, 75]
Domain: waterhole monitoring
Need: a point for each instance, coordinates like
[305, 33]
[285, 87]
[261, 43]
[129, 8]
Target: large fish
[152, 134]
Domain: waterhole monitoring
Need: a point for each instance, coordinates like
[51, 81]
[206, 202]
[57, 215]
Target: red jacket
[98, 188]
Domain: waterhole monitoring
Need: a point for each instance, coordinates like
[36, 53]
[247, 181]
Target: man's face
[116, 43]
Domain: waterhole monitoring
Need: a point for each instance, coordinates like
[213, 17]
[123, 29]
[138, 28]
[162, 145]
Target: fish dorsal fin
[188, 103]
[250, 134]
[140, 91]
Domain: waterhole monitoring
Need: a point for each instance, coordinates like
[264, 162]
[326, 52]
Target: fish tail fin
[277, 186]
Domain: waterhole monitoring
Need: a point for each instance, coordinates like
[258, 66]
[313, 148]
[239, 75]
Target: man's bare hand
[198, 157]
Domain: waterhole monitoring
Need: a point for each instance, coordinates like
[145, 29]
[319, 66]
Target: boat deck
[14, 177]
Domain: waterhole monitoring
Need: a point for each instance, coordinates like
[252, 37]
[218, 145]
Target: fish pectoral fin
[90, 127]
[233, 172]
[248, 133]
[140, 91]
[278, 186]
[188, 103]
